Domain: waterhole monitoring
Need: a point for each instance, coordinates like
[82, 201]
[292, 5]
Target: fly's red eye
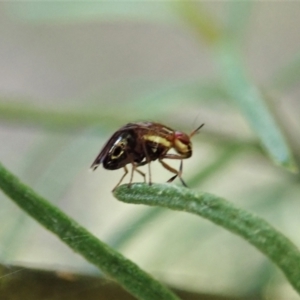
[182, 137]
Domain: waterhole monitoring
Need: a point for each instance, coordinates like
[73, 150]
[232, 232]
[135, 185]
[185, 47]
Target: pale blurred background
[71, 74]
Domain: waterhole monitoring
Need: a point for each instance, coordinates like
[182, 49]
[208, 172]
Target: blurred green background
[73, 73]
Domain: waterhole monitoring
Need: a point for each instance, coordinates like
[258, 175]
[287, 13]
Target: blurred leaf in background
[72, 73]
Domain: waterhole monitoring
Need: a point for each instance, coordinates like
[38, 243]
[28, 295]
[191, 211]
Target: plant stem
[125, 272]
[252, 228]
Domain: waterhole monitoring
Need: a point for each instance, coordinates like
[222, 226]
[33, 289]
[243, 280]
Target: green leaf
[124, 235]
[56, 119]
[252, 104]
[239, 87]
[125, 272]
[252, 228]
[194, 14]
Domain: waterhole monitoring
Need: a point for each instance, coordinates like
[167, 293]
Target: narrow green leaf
[124, 235]
[252, 228]
[194, 14]
[125, 272]
[239, 87]
[158, 97]
[54, 119]
[252, 104]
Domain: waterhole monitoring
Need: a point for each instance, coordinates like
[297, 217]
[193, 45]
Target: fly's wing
[104, 151]
[98, 161]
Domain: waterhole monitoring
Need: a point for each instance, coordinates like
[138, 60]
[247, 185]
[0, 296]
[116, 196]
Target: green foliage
[69, 137]
[252, 228]
[101, 255]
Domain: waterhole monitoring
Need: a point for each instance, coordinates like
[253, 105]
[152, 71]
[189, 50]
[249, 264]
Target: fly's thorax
[182, 144]
[158, 140]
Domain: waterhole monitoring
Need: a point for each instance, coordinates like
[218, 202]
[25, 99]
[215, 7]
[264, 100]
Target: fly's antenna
[196, 130]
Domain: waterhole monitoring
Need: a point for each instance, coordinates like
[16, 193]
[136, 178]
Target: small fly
[140, 143]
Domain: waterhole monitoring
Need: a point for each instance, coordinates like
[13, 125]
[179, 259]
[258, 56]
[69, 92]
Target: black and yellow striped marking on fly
[140, 143]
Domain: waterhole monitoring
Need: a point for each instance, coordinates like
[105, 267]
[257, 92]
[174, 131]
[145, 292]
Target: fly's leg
[142, 173]
[178, 173]
[147, 161]
[134, 168]
[126, 171]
